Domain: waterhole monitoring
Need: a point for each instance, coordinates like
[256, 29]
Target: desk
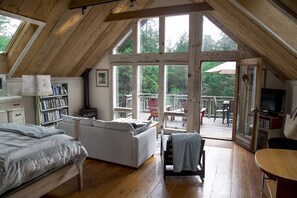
[280, 164]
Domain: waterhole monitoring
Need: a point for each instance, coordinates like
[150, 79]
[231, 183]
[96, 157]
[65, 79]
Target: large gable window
[125, 45]
[149, 36]
[214, 39]
[177, 33]
[9, 27]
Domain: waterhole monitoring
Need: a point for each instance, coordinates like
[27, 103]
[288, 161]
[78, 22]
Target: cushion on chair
[142, 128]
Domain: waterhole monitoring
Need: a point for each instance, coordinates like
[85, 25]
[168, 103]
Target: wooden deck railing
[175, 101]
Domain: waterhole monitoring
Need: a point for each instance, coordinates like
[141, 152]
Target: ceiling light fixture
[132, 3]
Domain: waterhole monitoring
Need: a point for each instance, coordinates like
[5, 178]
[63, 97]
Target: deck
[209, 128]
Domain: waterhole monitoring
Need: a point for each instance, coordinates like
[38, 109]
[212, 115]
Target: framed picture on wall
[102, 77]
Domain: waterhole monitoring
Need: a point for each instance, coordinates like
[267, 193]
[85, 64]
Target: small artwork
[102, 77]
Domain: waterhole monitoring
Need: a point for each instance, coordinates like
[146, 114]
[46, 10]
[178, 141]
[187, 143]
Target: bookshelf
[269, 127]
[51, 107]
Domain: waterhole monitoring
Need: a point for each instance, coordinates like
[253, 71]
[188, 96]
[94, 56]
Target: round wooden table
[281, 164]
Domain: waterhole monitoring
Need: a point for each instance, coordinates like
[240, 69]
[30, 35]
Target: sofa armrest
[144, 146]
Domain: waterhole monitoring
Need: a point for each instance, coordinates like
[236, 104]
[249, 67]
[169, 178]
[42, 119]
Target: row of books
[53, 115]
[59, 90]
[53, 103]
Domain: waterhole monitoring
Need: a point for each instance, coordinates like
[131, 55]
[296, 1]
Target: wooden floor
[230, 172]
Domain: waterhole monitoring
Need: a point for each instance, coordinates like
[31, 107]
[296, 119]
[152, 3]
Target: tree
[149, 40]
[7, 30]
[182, 45]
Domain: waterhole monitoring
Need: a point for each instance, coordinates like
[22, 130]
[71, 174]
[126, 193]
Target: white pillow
[83, 121]
[121, 126]
[68, 118]
[87, 121]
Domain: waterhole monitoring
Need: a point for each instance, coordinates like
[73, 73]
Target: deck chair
[185, 109]
[167, 159]
[153, 107]
[217, 109]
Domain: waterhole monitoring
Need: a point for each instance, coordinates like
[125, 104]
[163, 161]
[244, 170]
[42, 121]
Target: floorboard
[230, 172]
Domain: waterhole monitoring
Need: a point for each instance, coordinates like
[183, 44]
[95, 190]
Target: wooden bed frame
[50, 180]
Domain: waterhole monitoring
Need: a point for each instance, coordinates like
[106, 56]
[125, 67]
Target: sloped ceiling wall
[72, 41]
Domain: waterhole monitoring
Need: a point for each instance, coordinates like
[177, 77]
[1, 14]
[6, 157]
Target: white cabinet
[11, 108]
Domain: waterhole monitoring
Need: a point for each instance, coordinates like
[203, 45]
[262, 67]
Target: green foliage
[149, 40]
[7, 29]
[182, 45]
[149, 79]
[4, 41]
[124, 85]
[177, 79]
[223, 44]
[216, 84]
[127, 47]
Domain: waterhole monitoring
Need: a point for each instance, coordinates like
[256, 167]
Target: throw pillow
[141, 129]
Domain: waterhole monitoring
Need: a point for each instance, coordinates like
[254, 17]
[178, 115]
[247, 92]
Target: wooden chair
[218, 109]
[185, 109]
[167, 159]
[153, 107]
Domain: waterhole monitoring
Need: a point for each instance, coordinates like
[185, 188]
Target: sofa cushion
[142, 128]
[121, 126]
[83, 120]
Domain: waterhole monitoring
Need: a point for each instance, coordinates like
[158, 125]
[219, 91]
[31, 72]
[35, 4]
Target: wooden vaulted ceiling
[72, 41]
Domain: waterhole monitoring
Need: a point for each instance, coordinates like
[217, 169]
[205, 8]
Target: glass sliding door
[248, 99]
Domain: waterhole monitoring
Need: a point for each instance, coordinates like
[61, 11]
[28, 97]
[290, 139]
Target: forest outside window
[9, 29]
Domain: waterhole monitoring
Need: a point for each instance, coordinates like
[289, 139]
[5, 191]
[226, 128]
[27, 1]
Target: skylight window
[8, 29]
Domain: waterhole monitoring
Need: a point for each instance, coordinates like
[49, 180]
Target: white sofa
[116, 142]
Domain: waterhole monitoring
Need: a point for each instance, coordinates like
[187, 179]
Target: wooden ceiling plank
[84, 3]
[280, 28]
[254, 37]
[21, 41]
[95, 54]
[161, 11]
[99, 46]
[28, 8]
[56, 39]
[10, 5]
[52, 18]
[88, 30]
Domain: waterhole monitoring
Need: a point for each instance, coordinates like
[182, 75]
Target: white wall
[75, 98]
[273, 82]
[291, 96]
[100, 97]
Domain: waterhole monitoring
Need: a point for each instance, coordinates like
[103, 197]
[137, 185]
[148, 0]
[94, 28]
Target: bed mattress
[28, 151]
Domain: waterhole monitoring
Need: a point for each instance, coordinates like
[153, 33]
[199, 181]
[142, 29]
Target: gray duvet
[27, 154]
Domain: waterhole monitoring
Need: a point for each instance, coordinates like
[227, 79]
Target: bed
[34, 159]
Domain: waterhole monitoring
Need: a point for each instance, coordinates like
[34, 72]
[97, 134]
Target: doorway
[218, 88]
[248, 102]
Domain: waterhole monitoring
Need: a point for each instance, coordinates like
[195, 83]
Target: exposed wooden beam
[84, 3]
[161, 11]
